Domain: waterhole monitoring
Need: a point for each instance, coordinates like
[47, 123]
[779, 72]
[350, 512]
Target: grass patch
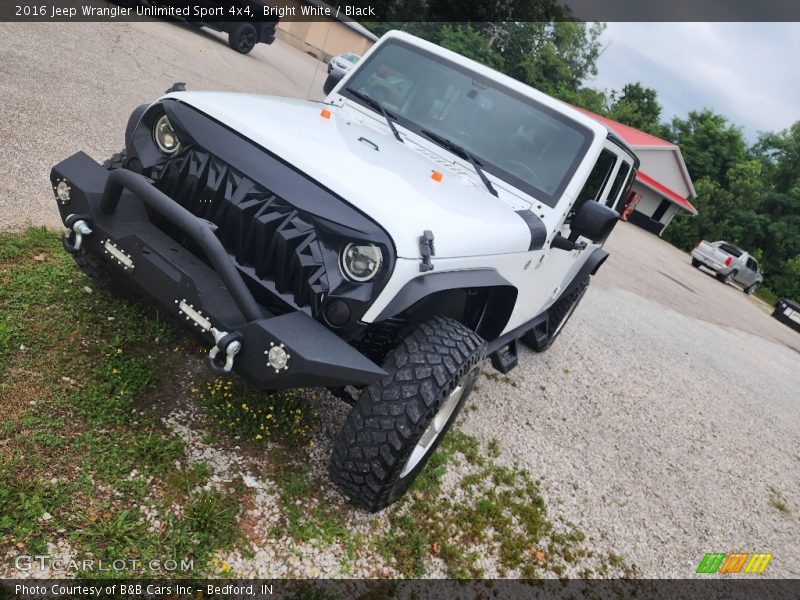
[497, 511]
[25, 507]
[79, 465]
[237, 409]
[767, 295]
[499, 377]
[310, 518]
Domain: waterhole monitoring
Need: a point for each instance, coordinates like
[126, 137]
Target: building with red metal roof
[662, 186]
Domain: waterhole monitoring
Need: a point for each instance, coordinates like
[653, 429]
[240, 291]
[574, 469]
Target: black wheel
[696, 263]
[751, 289]
[96, 269]
[726, 279]
[560, 313]
[399, 421]
[243, 38]
[329, 84]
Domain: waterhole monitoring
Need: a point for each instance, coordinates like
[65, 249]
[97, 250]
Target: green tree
[779, 154]
[470, 43]
[589, 98]
[787, 280]
[685, 231]
[637, 106]
[555, 58]
[709, 143]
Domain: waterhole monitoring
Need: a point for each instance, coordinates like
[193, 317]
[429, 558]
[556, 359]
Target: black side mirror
[594, 221]
[333, 79]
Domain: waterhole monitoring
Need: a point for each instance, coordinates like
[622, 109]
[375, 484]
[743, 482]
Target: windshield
[515, 138]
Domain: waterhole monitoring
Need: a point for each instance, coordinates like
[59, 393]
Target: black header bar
[367, 11]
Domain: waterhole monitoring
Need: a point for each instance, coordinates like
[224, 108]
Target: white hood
[391, 185]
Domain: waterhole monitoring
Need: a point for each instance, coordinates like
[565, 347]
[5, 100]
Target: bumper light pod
[63, 191]
[277, 357]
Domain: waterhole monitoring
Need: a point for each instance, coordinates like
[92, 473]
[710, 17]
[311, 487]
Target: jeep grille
[260, 229]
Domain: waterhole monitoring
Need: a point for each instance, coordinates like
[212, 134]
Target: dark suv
[242, 35]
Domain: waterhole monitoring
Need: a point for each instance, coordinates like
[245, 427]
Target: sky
[749, 72]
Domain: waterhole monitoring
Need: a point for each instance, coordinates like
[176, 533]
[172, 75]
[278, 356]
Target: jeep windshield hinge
[426, 250]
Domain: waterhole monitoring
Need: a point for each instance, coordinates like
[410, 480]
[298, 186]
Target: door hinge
[426, 250]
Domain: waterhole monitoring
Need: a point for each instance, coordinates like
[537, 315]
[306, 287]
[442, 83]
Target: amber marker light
[436, 175]
[325, 113]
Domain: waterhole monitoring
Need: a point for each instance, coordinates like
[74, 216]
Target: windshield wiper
[379, 107]
[459, 151]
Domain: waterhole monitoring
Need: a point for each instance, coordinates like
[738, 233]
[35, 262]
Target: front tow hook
[227, 344]
[77, 227]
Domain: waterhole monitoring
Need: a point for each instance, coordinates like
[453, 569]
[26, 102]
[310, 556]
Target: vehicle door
[608, 182]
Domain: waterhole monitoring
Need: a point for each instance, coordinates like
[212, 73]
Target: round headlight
[361, 262]
[165, 136]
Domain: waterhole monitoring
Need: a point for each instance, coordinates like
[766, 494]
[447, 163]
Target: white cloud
[746, 71]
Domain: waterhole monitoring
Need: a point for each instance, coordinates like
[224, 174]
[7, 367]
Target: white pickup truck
[730, 264]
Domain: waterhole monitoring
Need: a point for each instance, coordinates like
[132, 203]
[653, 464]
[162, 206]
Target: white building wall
[650, 200]
[663, 166]
[669, 215]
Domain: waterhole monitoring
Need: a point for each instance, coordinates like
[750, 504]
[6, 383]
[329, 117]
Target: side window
[752, 264]
[598, 178]
[622, 175]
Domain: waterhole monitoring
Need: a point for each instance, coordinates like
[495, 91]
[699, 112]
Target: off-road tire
[560, 313]
[696, 263]
[329, 84]
[243, 38]
[389, 418]
[117, 161]
[95, 268]
[750, 290]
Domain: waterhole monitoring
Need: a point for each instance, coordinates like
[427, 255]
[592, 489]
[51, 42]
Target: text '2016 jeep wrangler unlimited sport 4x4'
[431, 212]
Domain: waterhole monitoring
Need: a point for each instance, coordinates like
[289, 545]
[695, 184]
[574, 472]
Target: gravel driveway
[664, 423]
[662, 435]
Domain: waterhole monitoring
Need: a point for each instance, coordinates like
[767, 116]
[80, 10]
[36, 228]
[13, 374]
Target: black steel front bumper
[114, 205]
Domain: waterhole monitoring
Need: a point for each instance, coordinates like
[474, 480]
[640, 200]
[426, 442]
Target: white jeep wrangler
[429, 213]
